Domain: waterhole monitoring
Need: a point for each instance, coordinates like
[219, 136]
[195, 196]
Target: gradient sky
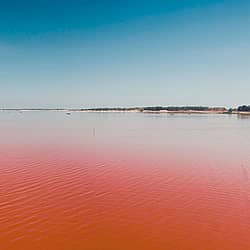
[124, 53]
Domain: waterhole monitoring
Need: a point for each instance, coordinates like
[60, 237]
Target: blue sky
[124, 53]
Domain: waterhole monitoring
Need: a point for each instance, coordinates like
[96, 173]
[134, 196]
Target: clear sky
[124, 53]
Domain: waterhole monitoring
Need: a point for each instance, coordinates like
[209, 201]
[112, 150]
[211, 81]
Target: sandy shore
[135, 111]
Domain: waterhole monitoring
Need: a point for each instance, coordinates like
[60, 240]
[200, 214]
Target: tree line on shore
[243, 108]
[184, 108]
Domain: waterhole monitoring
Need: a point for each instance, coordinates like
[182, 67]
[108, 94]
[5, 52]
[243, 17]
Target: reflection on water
[239, 116]
[124, 181]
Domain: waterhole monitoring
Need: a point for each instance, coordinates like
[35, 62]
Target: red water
[64, 188]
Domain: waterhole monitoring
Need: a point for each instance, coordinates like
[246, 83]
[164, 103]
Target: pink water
[124, 181]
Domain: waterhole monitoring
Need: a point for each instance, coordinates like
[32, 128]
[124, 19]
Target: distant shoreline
[147, 110]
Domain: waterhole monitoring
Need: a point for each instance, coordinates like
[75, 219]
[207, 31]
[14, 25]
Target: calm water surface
[104, 181]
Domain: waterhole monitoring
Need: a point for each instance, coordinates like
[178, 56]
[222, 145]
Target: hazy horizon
[113, 106]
